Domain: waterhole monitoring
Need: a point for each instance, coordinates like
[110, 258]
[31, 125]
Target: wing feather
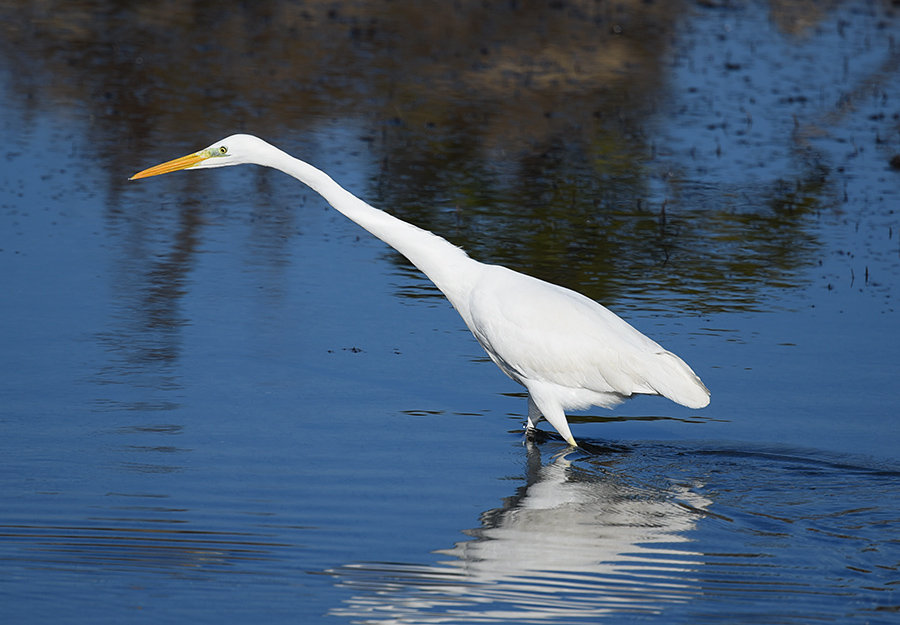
[539, 331]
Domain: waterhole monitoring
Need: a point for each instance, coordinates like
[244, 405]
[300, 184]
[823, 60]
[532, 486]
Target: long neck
[448, 266]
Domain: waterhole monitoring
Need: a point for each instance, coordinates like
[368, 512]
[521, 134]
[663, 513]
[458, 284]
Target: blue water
[221, 401]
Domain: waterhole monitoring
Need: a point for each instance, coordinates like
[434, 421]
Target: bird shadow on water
[666, 532]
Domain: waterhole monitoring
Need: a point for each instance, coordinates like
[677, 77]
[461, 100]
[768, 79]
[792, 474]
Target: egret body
[567, 350]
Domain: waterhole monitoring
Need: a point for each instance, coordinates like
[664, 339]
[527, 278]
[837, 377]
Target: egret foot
[534, 435]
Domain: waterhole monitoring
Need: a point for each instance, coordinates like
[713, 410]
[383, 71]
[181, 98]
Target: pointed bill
[179, 163]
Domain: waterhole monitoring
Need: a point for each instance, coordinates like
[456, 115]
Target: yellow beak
[179, 163]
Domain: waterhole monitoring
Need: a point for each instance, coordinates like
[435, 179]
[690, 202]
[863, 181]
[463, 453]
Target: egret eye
[223, 150]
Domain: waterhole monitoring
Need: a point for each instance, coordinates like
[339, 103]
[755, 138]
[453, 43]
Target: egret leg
[552, 413]
[534, 414]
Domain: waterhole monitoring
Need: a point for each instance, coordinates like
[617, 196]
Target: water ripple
[113, 547]
[684, 533]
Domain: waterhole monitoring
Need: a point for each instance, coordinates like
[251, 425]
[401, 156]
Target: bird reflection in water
[576, 541]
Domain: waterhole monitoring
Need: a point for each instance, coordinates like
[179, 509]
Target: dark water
[220, 401]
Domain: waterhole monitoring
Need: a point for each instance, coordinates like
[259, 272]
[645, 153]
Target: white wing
[538, 331]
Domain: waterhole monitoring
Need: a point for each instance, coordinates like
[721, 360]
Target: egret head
[233, 150]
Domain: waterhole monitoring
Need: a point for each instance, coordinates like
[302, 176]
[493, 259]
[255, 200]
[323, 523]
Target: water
[220, 401]
[682, 532]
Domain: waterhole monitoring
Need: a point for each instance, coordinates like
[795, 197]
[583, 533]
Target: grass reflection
[523, 133]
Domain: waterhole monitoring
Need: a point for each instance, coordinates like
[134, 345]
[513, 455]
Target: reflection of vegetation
[584, 220]
[737, 252]
[517, 130]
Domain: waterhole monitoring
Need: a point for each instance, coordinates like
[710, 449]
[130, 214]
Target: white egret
[567, 350]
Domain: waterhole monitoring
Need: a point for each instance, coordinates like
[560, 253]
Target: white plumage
[566, 349]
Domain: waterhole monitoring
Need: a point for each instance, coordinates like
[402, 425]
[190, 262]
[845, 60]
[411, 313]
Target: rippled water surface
[221, 401]
[683, 532]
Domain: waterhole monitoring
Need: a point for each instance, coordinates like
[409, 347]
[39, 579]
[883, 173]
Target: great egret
[567, 350]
